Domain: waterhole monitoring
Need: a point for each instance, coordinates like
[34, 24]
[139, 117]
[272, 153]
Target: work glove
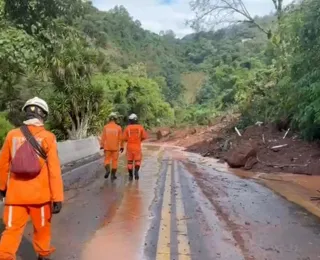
[121, 150]
[56, 207]
[3, 193]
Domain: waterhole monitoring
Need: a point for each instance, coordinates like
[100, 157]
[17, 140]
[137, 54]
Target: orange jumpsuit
[111, 141]
[134, 135]
[33, 197]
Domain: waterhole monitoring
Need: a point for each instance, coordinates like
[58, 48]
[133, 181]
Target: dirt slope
[273, 152]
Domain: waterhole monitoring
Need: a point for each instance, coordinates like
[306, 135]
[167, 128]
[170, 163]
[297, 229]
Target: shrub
[5, 127]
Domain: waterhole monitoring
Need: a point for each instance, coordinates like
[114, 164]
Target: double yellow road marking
[164, 240]
[183, 238]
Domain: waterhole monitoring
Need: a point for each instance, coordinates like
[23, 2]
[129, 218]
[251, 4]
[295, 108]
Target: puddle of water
[151, 147]
[125, 227]
[120, 238]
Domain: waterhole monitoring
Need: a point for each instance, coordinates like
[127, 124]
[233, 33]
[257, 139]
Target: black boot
[107, 167]
[130, 175]
[43, 258]
[113, 174]
[136, 172]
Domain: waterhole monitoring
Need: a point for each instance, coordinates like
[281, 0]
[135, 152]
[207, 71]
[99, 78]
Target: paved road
[181, 209]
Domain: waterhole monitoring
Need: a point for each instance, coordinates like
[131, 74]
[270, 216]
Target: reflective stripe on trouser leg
[10, 216]
[130, 165]
[137, 163]
[15, 219]
[41, 220]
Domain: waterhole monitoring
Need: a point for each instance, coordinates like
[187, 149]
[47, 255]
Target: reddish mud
[212, 195]
[262, 225]
[274, 152]
[184, 207]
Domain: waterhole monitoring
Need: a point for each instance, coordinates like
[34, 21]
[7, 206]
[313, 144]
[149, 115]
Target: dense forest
[87, 62]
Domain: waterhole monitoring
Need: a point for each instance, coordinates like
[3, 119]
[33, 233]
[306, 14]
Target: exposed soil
[272, 150]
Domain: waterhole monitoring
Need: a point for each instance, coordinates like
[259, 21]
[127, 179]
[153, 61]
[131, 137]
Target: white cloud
[156, 16]
[153, 15]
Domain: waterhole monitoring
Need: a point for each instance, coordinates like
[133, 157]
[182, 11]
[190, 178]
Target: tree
[1, 9]
[228, 11]
[5, 128]
[136, 70]
[71, 62]
[304, 98]
[168, 35]
[20, 54]
[34, 15]
[135, 94]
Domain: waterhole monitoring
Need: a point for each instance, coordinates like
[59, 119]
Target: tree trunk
[79, 129]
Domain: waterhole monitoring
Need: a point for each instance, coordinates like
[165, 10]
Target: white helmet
[37, 102]
[113, 115]
[133, 117]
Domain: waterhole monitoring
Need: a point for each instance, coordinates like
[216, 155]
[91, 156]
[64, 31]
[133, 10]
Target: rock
[312, 168]
[163, 133]
[193, 131]
[250, 163]
[220, 160]
[207, 154]
[239, 155]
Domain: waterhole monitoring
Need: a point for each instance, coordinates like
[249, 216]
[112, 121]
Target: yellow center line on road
[184, 251]
[163, 247]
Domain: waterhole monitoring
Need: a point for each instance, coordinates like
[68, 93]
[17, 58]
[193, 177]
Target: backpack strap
[30, 138]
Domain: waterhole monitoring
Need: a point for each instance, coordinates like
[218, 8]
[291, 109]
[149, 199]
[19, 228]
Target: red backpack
[25, 163]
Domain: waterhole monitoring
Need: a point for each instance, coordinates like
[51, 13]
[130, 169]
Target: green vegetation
[5, 127]
[86, 62]
[267, 68]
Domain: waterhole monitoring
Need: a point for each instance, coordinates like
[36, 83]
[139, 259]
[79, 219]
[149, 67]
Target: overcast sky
[157, 15]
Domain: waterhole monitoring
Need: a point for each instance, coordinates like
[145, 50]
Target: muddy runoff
[297, 188]
[183, 207]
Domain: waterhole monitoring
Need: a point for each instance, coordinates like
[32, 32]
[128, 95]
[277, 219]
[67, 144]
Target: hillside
[112, 44]
[175, 60]
[72, 52]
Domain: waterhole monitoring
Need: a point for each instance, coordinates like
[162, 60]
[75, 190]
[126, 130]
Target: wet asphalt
[180, 209]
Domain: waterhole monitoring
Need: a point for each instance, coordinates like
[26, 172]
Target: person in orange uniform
[111, 141]
[37, 197]
[134, 134]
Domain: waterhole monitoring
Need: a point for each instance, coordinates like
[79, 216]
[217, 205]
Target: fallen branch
[285, 135]
[279, 146]
[281, 165]
[238, 132]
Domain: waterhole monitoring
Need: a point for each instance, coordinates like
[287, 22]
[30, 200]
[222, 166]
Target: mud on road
[182, 208]
[222, 142]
